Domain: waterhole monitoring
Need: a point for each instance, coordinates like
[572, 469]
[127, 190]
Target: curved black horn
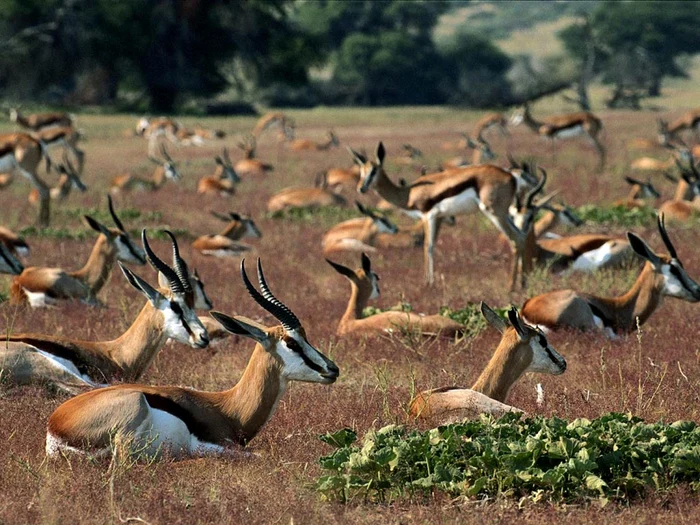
[534, 191]
[180, 265]
[289, 321]
[116, 220]
[157, 264]
[664, 236]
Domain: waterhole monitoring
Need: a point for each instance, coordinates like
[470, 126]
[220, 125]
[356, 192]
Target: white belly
[569, 132]
[38, 299]
[161, 430]
[463, 203]
[66, 366]
[594, 259]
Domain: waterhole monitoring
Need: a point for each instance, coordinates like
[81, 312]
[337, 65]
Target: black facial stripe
[131, 248]
[294, 346]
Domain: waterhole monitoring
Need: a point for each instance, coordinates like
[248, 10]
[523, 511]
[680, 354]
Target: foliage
[615, 456]
[617, 215]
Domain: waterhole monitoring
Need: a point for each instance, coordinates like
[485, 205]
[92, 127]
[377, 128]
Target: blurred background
[226, 57]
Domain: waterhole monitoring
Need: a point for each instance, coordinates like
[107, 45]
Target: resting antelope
[197, 136]
[70, 363]
[488, 122]
[68, 180]
[165, 170]
[564, 126]
[455, 192]
[41, 121]
[65, 137]
[307, 145]
[482, 154]
[305, 197]
[357, 234]
[555, 215]
[269, 120]
[340, 178]
[41, 286]
[249, 165]
[155, 128]
[686, 200]
[223, 181]
[638, 192]
[364, 286]
[680, 153]
[224, 244]
[522, 349]
[188, 422]
[8, 262]
[13, 242]
[688, 122]
[662, 275]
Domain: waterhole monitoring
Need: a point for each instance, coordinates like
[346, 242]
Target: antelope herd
[111, 408]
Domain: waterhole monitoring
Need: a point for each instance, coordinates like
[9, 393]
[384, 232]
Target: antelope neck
[99, 265]
[504, 369]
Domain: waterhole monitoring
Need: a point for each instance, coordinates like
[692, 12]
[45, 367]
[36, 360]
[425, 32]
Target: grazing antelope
[13, 242]
[41, 121]
[680, 153]
[188, 422]
[662, 275]
[165, 170]
[688, 122]
[71, 364]
[65, 137]
[223, 181]
[357, 234]
[307, 145]
[455, 192]
[224, 244]
[564, 126]
[41, 286]
[305, 197]
[364, 286]
[522, 349]
[269, 120]
[686, 200]
[249, 165]
[68, 180]
[488, 122]
[8, 262]
[638, 192]
[482, 154]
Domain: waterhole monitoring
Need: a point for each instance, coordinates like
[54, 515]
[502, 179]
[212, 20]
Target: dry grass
[658, 379]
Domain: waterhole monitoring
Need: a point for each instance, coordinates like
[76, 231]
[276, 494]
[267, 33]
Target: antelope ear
[493, 318]
[642, 249]
[240, 327]
[342, 270]
[630, 180]
[357, 157]
[366, 263]
[381, 153]
[154, 296]
[516, 322]
[100, 228]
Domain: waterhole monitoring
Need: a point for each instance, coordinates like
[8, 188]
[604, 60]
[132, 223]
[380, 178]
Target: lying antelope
[223, 181]
[249, 165]
[41, 121]
[686, 200]
[153, 129]
[522, 349]
[188, 422]
[690, 121]
[638, 192]
[165, 170]
[455, 192]
[364, 286]
[305, 197]
[357, 234]
[224, 244]
[8, 262]
[339, 179]
[67, 180]
[662, 275]
[482, 154]
[40, 286]
[13, 242]
[555, 215]
[197, 136]
[680, 153]
[65, 137]
[272, 119]
[564, 126]
[307, 145]
[71, 364]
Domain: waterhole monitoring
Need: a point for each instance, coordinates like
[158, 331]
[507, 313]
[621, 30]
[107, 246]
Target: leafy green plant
[615, 456]
[617, 215]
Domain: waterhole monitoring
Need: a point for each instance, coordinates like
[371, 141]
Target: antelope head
[646, 189]
[381, 222]
[224, 161]
[524, 173]
[483, 147]
[142, 125]
[244, 220]
[167, 164]
[8, 262]
[201, 299]
[369, 169]
[69, 171]
[127, 251]
[366, 281]
[567, 217]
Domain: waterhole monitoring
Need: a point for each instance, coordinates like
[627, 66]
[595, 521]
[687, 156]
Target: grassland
[654, 375]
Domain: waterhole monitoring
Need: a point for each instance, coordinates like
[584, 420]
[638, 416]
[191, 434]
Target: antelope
[188, 422]
[305, 197]
[23, 153]
[689, 121]
[224, 179]
[340, 178]
[197, 135]
[458, 145]
[638, 192]
[13, 242]
[564, 126]
[522, 349]
[68, 180]
[41, 121]
[358, 234]
[662, 275]
[306, 144]
[409, 155]
[482, 154]
[686, 201]
[680, 153]
[153, 129]
[41, 286]
[165, 170]
[555, 215]
[224, 244]
[271, 119]
[461, 191]
[250, 166]
[8, 262]
[72, 364]
[364, 286]
[66, 137]
[488, 122]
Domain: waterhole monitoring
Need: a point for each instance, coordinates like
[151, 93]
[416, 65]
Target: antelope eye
[176, 308]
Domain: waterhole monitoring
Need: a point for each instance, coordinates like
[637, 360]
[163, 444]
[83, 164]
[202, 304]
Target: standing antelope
[249, 165]
[638, 192]
[482, 154]
[224, 244]
[455, 192]
[41, 286]
[690, 121]
[41, 121]
[8, 263]
[564, 126]
[522, 349]
[65, 137]
[364, 286]
[68, 180]
[357, 234]
[306, 144]
[224, 179]
[188, 422]
[305, 197]
[13, 242]
[165, 170]
[153, 129]
[71, 364]
[662, 275]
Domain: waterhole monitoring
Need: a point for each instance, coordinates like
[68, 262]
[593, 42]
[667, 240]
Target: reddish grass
[657, 379]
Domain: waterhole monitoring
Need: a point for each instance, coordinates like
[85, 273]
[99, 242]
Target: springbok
[155, 128]
[522, 349]
[690, 121]
[662, 275]
[305, 197]
[71, 364]
[357, 234]
[364, 286]
[430, 197]
[249, 165]
[13, 242]
[638, 192]
[339, 179]
[307, 145]
[67, 180]
[8, 262]
[65, 137]
[680, 153]
[165, 170]
[564, 126]
[488, 122]
[224, 244]
[188, 422]
[41, 121]
[686, 200]
[41, 286]
[269, 120]
[555, 215]
[223, 181]
[482, 154]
